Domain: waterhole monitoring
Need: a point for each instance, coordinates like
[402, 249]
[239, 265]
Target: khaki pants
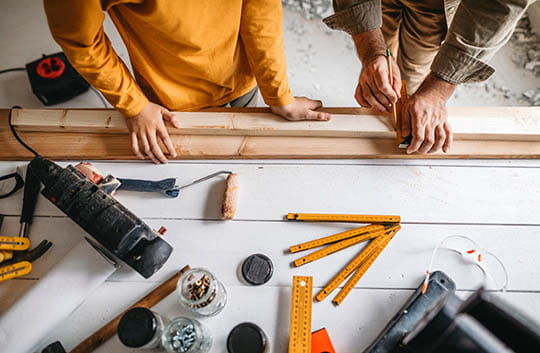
[414, 31]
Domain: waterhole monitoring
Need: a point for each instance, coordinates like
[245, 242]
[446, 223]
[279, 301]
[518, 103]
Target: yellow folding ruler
[362, 269]
[330, 249]
[379, 234]
[300, 326]
[361, 258]
[322, 217]
[334, 238]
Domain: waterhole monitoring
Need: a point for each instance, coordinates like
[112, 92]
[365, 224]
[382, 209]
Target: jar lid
[55, 347]
[137, 327]
[246, 338]
[257, 269]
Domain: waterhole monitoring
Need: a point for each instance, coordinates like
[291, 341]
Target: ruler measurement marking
[330, 249]
[348, 269]
[321, 217]
[334, 238]
[360, 272]
[300, 326]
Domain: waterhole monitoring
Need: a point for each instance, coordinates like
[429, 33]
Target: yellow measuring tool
[322, 217]
[300, 326]
[336, 237]
[362, 269]
[14, 243]
[330, 249]
[16, 270]
[362, 257]
[5, 255]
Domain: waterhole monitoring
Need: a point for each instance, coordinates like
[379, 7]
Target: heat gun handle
[166, 187]
[32, 186]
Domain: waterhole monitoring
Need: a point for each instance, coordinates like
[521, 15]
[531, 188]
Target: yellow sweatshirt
[185, 54]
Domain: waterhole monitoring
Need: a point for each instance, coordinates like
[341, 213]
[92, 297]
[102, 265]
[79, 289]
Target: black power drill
[116, 229]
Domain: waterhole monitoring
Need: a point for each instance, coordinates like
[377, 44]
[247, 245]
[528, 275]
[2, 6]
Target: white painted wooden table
[497, 203]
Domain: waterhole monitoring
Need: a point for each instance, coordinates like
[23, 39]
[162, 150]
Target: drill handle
[32, 186]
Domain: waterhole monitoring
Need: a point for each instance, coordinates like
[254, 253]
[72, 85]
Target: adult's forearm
[369, 44]
[435, 86]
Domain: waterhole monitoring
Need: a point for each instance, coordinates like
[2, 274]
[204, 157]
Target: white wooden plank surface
[426, 194]
[494, 202]
[351, 326]
[221, 246]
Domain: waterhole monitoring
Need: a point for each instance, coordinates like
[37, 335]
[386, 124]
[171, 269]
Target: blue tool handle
[162, 186]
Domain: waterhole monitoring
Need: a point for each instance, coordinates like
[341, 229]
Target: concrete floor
[321, 63]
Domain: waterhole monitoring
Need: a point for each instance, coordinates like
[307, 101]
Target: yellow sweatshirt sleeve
[77, 26]
[261, 32]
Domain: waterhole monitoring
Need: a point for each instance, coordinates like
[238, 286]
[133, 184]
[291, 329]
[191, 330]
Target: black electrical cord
[13, 69]
[15, 132]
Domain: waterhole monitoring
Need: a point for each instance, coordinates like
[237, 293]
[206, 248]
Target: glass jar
[141, 328]
[183, 335]
[201, 292]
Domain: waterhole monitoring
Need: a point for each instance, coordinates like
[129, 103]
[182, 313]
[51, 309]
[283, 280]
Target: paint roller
[168, 187]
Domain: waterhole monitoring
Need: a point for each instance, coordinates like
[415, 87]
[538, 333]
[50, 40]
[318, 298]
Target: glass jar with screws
[185, 335]
[141, 328]
[201, 292]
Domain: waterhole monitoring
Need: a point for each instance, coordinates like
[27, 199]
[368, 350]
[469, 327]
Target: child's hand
[301, 109]
[146, 127]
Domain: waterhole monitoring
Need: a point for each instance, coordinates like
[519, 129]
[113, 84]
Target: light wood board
[113, 146]
[468, 123]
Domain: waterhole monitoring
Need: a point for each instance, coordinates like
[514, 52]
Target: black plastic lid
[246, 338]
[137, 327]
[257, 269]
[55, 347]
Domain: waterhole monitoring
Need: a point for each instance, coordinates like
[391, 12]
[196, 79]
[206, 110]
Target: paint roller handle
[166, 187]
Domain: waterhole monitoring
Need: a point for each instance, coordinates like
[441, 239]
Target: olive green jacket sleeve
[479, 28]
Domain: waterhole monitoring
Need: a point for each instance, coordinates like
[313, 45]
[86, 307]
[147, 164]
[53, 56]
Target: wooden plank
[72, 146]
[364, 123]
[468, 123]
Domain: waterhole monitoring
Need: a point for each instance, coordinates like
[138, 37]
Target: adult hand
[424, 116]
[147, 128]
[301, 108]
[374, 89]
